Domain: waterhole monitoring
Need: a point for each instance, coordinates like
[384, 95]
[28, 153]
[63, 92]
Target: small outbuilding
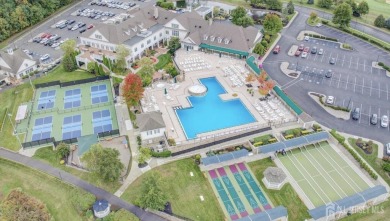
[274, 178]
[151, 126]
[101, 208]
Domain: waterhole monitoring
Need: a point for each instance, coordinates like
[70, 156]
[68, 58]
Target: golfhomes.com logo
[334, 211]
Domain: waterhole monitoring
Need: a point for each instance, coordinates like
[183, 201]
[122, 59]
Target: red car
[44, 35]
[298, 53]
[276, 49]
[48, 36]
[300, 48]
[306, 49]
[90, 26]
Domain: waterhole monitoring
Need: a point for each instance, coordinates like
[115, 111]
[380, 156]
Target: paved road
[69, 178]
[356, 25]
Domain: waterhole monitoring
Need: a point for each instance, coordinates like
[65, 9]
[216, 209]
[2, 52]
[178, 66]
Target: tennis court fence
[71, 83]
[108, 133]
[37, 143]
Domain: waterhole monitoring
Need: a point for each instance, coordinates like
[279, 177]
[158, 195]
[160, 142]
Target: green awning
[288, 100]
[251, 62]
[222, 49]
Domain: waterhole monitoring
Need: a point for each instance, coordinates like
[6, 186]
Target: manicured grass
[262, 138]
[378, 212]
[163, 60]
[183, 191]
[371, 159]
[12, 98]
[47, 154]
[313, 22]
[236, 2]
[286, 197]
[49, 190]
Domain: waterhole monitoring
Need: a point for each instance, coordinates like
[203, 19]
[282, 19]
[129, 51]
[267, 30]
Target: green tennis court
[322, 174]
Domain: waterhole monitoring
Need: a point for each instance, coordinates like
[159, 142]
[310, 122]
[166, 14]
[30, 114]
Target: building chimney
[210, 21]
[155, 13]
[10, 51]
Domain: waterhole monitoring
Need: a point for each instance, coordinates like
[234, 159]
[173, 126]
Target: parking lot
[96, 14]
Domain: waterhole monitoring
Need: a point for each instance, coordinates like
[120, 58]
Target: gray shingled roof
[150, 121]
[14, 61]
[274, 175]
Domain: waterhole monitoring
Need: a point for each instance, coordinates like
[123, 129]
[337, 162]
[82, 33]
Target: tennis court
[322, 173]
[237, 191]
[70, 111]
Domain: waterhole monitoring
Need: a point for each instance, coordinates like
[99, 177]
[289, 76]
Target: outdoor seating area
[273, 110]
[237, 74]
[194, 63]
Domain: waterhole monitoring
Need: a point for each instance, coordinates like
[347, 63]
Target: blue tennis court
[101, 121]
[72, 98]
[42, 128]
[46, 100]
[99, 94]
[71, 127]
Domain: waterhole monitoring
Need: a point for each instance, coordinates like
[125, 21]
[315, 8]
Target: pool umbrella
[165, 91]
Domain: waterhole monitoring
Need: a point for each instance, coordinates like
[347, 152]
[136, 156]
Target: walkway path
[69, 178]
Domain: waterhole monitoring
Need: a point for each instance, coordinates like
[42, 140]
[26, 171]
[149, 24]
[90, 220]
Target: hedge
[355, 155]
[332, 106]
[165, 153]
[387, 68]
[321, 37]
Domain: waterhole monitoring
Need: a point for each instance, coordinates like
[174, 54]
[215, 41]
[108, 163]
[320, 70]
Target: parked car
[318, 25]
[374, 119]
[321, 51]
[71, 22]
[332, 61]
[55, 45]
[328, 74]
[75, 27]
[37, 39]
[388, 148]
[45, 57]
[62, 26]
[306, 49]
[90, 26]
[307, 38]
[356, 114]
[384, 121]
[298, 53]
[330, 100]
[43, 41]
[53, 37]
[276, 49]
[314, 50]
[304, 54]
[82, 30]
[81, 24]
[301, 47]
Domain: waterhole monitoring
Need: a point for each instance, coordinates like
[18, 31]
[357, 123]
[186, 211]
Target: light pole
[14, 131]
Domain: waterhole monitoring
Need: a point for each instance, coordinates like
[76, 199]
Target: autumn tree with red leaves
[132, 89]
[266, 84]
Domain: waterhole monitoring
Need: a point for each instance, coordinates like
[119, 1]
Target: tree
[62, 150]
[272, 24]
[363, 8]
[245, 21]
[273, 4]
[174, 44]
[103, 162]
[152, 195]
[342, 15]
[387, 23]
[101, 71]
[237, 13]
[68, 63]
[91, 67]
[380, 21]
[310, 2]
[132, 89]
[259, 49]
[352, 3]
[144, 155]
[325, 3]
[81, 199]
[68, 47]
[171, 70]
[147, 71]
[20, 206]
[313, 16]
[290, 8]
[121, 54]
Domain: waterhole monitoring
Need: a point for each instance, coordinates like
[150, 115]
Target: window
[154, 38]
[167, 32]
[175, 26]
[148, 41]
[135, 49]
[98, 36]
[205, 37]
[160, 34]
[142, 45]
[156, 131]
[219, 39]
[84, 42]
[149, 132]
[175, 33]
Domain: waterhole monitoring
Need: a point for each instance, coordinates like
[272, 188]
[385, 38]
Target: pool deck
[179, 96]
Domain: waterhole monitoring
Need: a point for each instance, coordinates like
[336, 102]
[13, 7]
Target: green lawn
[380, 212]
[371, 159]
[163, 60]
[49, 190]
[47, 154]
[286, 196]
[183, 191]
[263, 138]
[12, 98]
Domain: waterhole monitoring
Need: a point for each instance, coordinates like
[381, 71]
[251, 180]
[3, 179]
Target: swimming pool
[210, 112]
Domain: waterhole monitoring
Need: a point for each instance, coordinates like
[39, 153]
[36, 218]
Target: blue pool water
[210, 112]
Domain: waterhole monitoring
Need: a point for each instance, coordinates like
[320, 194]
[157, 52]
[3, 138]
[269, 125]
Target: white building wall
[145, 136]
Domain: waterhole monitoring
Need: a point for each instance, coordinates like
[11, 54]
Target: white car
[321, 51]
[330, 100]
[384, 121]
[388, 148]
[45, 57]
[53, 37]
[55, 45]
[318, 25]
[307, 38]
[304, 54]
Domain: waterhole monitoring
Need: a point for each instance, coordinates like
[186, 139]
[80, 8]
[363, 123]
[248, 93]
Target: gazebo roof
[100, 205]
[274, 175]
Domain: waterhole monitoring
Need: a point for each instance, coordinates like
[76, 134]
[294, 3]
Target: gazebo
[274, 178]
[101, 208]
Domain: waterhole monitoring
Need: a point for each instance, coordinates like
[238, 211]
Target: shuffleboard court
[322, 173]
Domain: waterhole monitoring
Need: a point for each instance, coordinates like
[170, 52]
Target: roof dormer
[212, 38]
[205, 37]
[219, 39]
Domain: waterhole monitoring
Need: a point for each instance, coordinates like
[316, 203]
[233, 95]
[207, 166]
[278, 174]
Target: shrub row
[332, 106]
[321, 37]
[165, 153]
[355, 155]
[387, 68]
